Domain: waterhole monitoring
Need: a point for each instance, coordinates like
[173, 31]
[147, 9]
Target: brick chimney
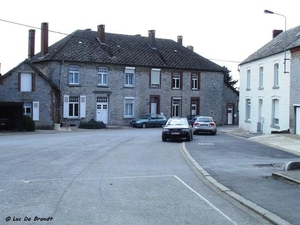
[190, 47]
[44, 39]
[179, 40]
[31, 43]
[101, 33]
[151, 37]
[276, 32]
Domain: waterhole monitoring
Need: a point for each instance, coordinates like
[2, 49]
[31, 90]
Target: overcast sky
[224, 31]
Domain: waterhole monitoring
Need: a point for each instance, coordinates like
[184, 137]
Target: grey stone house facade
[114, 78]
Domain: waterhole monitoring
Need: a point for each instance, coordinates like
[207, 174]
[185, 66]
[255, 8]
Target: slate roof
[130, 50]
[276, 45]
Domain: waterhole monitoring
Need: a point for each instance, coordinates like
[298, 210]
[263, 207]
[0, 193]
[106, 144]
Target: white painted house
[270, 88]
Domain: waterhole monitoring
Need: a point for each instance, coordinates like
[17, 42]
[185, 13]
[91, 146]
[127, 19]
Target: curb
[254, 207]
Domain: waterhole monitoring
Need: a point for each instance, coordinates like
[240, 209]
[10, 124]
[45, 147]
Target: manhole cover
[267, 165]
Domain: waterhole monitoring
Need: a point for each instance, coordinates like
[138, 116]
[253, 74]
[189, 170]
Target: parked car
[191, 119]
[149, 120]
[204, 124]
[177, 128]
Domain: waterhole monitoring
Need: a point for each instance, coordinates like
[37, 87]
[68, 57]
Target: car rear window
[206, 120]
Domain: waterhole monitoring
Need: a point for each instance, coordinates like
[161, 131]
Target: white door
[102, 109]
[297, 125]
[229, 115]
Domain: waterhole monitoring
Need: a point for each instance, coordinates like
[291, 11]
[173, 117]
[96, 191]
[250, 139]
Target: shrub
[92, 124]
[29, 124]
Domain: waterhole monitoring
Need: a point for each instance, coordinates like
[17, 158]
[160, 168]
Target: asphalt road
[117, 176]
[245, 167]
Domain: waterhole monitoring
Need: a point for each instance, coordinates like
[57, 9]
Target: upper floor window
[129, 76]
[248, 79]
[276, 76]
[102, 75]
[26, 82]
[155, 77]
[261, 78]
[74, 75]
[176, 82]
[195, 81]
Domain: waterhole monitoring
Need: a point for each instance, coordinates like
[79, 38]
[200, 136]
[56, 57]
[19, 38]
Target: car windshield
[177, 121]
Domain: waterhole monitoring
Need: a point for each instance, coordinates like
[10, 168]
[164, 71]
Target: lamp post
[284, 38]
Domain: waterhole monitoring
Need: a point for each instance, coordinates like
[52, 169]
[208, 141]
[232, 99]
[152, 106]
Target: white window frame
[155, 77]
[129, 76]
[35, 111]
[74, 75]
[26, 82]
[276, 75]
[102, 75]
[195, 81]
[261, 78]
[248, 79]
[27, 108]
[176, 81]
[275, 112]
[80, 103]
[128, 107]
[248, 110]
[176, 106]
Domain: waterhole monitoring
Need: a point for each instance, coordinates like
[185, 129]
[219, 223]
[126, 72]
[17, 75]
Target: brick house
[270, 86]
[114, 78]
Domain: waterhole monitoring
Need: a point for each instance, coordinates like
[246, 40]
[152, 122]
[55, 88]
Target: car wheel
[163, 138]
[214, 133]
[144, 125]
[189, 138]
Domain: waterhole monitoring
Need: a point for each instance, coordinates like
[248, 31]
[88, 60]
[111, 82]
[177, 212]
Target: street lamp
[284, 38]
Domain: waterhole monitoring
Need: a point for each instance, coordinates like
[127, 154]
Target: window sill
[275, 87]
[261, 88]
[74, 85]
[247, 121]
[102, 86]
[128, 86]
[248, 89]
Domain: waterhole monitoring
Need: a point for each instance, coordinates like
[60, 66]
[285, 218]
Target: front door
[102, 109]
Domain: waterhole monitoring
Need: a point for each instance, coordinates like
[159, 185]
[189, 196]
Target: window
[176, 107]
[248, 80]
[27, 108]
[129, 76]
[155, 77]
[26, 82]
[276, 75]
[248, 110]
[74, 75]
[275, 112]
[128, 107]
[31, 109]
[74, 106]
[102, 76]
[195, 81]
[261, 78]
[176, 81]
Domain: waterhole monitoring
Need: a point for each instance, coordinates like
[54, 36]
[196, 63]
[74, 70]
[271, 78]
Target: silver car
[205, 124]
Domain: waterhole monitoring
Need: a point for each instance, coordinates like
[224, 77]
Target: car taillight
[212, 124]
[196, 123]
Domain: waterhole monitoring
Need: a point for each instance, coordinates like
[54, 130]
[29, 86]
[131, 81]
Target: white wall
[267, 94]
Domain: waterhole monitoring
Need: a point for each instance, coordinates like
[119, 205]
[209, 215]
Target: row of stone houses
[270, 86]
[114, 78]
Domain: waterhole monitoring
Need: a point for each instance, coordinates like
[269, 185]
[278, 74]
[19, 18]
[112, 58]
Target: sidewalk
[286, 142]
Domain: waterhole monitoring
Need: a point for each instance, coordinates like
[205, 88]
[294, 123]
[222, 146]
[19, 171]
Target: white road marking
[207, 201]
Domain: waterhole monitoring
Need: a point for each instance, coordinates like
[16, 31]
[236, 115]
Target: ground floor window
[275, 112]
[74, 106]
[31, 109]
[248, 110]
[129, 107]
[176, 107]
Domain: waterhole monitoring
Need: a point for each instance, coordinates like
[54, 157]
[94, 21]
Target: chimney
[276, 32]
[101, 33]
[44, 39]
[190, 47]
[179, 40]
[31, 43]
[151, 36]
